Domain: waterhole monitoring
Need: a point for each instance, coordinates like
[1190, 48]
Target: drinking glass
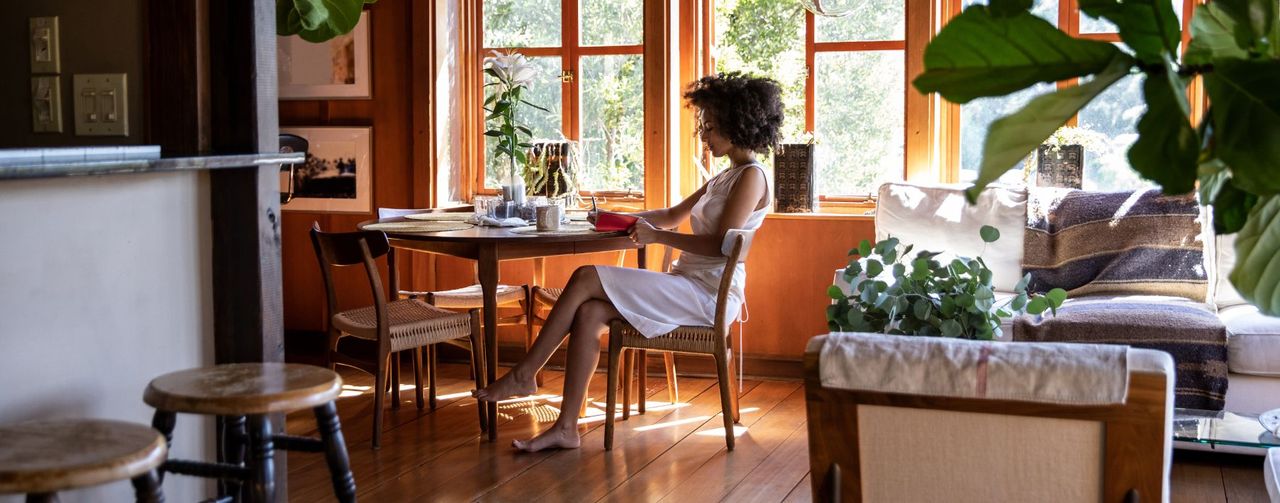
[486, 206]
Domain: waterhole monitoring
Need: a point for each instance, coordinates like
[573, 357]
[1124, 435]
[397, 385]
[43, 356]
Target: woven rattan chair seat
[547, 296]
[54, 455]
[470, 297]
[682, 339]
[413, 323]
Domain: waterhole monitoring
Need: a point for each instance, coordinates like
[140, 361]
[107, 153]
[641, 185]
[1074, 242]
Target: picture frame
[337, 176]
[334, 70]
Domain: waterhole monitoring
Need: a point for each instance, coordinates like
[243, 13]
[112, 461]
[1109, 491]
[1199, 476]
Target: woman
[739, 116]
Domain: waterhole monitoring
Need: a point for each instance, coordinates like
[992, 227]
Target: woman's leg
[592, 319]
[583, 286]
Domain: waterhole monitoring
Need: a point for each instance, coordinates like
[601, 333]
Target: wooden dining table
[488, 246]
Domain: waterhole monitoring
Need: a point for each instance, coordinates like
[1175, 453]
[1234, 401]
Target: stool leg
[261, 460]
[335, 452]
[395, 381]
[146, 488]
[233, 446]
[642, 379]
[164, 421]
[628, 369]
[673, 388]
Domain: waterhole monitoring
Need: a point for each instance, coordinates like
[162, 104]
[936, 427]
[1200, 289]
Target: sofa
[937, 218]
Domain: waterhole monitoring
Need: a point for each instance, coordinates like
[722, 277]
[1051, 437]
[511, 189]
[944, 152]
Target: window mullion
[570, 25]
[810, 84]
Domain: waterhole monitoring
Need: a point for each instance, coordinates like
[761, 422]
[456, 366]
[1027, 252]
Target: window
[843, 78]
[1113, 115]
[591, 81]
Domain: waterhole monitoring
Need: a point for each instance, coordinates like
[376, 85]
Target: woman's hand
[591, 216]
[643, 233]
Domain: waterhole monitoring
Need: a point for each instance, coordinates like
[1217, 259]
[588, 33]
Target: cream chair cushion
[938, 218]
[1271, 473]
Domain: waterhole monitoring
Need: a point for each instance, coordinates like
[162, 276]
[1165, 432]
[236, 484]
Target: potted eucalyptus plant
[925, 295]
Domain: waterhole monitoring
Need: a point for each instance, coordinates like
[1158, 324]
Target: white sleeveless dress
[655, 303]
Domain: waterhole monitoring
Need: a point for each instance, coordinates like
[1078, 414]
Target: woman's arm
[667, 218]
[744, 197]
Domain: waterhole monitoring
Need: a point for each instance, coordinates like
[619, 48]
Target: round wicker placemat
[440, 217]
[565, 230]
[415, 227]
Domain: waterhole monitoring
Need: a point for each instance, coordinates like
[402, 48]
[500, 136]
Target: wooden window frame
[655, 61]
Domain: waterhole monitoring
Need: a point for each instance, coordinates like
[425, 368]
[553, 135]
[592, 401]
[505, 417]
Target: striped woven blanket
[1136, 242]
[1102, 246]
[1189, 331]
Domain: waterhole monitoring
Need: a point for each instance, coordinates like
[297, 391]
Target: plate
[1271, 421]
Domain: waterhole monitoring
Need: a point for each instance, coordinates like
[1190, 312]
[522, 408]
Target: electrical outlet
[102, 107]
[44, 45]
[46, 104]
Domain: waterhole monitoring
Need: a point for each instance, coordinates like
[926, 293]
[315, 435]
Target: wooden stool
[254, 390]
[40, 458]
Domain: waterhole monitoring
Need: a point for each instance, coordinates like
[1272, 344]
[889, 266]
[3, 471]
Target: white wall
[105, 283]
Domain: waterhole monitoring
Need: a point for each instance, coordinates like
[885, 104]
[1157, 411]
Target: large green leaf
[1213, 36]
[1005, 8]
[1255, 21]
[342, 18]
[1231, 207]
[982, 54]
[1014, 136]
[1167, 149]
[1149, 27]
[1246, 121]
[1257, 272]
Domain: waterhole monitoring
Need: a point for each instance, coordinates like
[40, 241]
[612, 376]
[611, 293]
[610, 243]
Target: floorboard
[673, 452]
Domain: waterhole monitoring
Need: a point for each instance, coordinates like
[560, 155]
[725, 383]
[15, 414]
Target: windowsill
[818, 216]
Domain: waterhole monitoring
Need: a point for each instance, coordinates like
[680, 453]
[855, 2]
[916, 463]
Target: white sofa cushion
[937, 218]
[1225, 295]
[1253, 341]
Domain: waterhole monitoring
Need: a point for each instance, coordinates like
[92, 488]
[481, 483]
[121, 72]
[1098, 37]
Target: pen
[593, 203]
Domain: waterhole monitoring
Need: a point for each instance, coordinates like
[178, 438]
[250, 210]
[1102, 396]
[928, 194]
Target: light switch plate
[102, 107]
[43, 41]
[46, 104]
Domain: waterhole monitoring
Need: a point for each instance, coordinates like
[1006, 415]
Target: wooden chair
[463, 299]
[712, 341]
[400, 325]
[40, 458]
[245, 396]
[872, 444]
[547, 297]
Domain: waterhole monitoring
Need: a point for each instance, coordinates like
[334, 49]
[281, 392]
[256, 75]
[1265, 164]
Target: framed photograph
[337, 69]
[338, 173]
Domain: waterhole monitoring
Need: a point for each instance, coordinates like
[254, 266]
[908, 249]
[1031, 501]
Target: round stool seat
[238, 389]
[50, 456]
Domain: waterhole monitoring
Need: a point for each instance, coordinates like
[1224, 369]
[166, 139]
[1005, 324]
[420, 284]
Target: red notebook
[608, 221]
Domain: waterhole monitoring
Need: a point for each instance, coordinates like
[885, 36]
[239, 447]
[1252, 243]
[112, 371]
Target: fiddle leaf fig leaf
[1005, 8]
[1246, 121]
[1257, 272]
[1167, 148]
[342, 18]
[1213, 36]
[1255, 20]
[1014, 136]
[1149, 27]
[1231, 208]
[980, 53]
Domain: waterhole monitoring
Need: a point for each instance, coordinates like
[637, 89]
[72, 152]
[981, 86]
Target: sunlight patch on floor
[668, 424]
[738, 430]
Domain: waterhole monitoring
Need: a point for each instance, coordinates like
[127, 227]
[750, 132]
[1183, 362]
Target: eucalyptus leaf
[1037, 305]
[921, 309]
[981, 54]
[874, 268]
[1257, 272]
[835, 292]
[989, 234]
[1014, 136]
[1056, 297]
[864, 248]
[1246, 121]
[1167, 148]
[951, 328]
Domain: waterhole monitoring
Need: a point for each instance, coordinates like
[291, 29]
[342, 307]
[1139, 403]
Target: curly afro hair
[747, 110]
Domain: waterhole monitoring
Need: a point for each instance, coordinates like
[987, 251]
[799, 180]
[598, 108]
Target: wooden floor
[672, 453]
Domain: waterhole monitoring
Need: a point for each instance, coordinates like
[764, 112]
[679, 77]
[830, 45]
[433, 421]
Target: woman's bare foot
[554, 438]
[507, 386]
